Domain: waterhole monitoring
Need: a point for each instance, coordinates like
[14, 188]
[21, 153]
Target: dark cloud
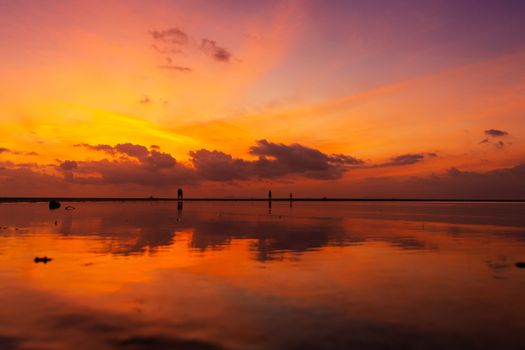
[145, 100]
[4, 150]
[279, 159]
[275, 160]
[173, 36]
[68, 165]
[219, 166]
[151, 171]
[159, 160]
[133, 164]
[100, 147]
[128, 149]
[504, 183]
[132, 150]
[345, 159]
[407, 159]
[496, 133]
[218, 53]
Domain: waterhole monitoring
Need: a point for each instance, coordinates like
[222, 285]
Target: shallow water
[241, 275]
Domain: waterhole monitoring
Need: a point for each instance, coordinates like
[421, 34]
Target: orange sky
[416, 100]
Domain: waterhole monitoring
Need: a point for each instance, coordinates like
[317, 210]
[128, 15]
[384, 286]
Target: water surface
[243, 275]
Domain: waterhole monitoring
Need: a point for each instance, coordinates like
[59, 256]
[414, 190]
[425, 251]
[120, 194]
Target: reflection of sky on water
[229, 275]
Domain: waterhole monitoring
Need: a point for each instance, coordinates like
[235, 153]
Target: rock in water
[520, 265]
[53, 204]
[44, 259]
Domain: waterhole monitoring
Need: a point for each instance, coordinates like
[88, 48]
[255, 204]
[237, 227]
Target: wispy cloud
[496, 133]
[10, 151]
[174, 41]
[407, 159]
[170, 36]
[218, 53]
[176, 68]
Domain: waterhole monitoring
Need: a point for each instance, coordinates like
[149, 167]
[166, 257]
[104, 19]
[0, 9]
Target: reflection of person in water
[179, 210]
[179, 194]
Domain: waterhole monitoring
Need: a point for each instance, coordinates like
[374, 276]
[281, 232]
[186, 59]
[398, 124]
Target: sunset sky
[407, 99]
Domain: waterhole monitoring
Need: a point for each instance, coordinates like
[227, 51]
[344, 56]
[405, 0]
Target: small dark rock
[43, 259]
[53, 204]
[520, 265]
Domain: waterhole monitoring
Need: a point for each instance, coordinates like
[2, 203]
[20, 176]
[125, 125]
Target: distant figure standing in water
[179, 194]
[270, 202]
[291, 197]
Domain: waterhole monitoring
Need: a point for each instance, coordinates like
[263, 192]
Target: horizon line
[245, 199]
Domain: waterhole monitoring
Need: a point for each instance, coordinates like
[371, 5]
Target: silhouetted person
[270, 195]
[179, 194]
[291, 199]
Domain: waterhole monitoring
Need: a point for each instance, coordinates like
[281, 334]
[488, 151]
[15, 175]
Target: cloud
[218, 53]
[133, 164]
[279, 159]
[171, 36]
[275, 160]
[500, 144]
[9, 151]
[145, 100]
[503, 183]
[176, 68]
[162, 172]
[496, 133]
[128, 149]
[132, 150]
[104, 148]
[219, 166]
[176, 41]
[407, 159]
[345, 159]
[152, 172]
[68, 165]
[159, 160]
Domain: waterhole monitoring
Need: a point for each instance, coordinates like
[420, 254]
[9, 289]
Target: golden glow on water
[202, 272]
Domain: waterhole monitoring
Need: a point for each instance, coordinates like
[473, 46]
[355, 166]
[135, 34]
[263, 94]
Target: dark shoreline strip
[93, 199]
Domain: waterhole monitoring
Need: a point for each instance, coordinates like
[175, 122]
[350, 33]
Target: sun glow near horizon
[348, 105]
